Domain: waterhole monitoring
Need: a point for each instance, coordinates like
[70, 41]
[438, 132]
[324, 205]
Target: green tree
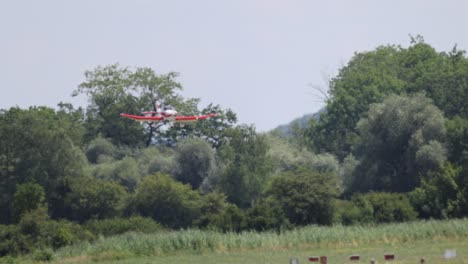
[306, 196]
[37, 145]
[384, 207]
[160, 160]
[267, 214]
[167, 201]
[114, 89]
[216, 213]
[439, 195]
[457, 139]
[401, 140]
[28, 196]
[195, 161]
[91, 198]
[245, 166]
[100, 148]
[215, 129]
[371, 76]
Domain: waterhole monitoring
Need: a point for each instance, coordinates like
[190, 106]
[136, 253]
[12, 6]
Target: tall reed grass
[198, 241]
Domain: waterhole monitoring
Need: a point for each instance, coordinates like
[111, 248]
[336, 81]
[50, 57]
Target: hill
[301, 122]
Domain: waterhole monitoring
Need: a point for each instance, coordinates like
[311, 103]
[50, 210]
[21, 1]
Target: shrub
[384, 207]
[347, 213]
[267, 214]
[109, 227]
[28, 196]
[167, 201]
[218, 214]
[12, 241]
[440, 193]
[92, 198]
[57, 234]
[307, 197]
[8, 260]
[43, 255]
[36, 231]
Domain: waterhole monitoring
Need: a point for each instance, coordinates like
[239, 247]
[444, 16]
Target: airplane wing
[143, 118]
[179, 119]
[188, 119]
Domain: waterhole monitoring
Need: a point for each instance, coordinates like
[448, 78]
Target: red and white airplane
[166, 113]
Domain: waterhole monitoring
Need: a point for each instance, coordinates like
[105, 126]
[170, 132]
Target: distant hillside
[303, 122]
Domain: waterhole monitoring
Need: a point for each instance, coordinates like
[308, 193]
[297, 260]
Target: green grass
[412, 239]
[404, 252]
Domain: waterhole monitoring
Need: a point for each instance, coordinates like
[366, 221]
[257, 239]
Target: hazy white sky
[257, 57]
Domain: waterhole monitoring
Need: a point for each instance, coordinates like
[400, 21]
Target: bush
[109, 227]
[28, 196]
[98, 148]
[267, 214]
[384, 207]
[167, 201]
[218, 214]
[347, 213]
[8, 260]
[43, 255]
[36, 231]
[57, 234]
[307, 197]
[440, 193]
[92, 198]
[12, 241]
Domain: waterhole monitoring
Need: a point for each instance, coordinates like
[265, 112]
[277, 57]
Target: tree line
[390, 146]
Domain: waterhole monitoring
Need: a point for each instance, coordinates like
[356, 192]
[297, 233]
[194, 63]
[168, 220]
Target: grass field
[408, 241]
[404, 252]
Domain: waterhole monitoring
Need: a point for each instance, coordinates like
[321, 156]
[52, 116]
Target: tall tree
[371, 76]
[245, 165]
[195, 161]
[401, 140]
[114, 89]
[37, 145]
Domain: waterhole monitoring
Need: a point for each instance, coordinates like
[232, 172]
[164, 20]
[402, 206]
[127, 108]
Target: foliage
[153, 160]
[114, 89]
[38, 145]
[100, 148]
[400, 141]
[285, 156]
[439, 196]
[195, 161]
[217, 214]
[347, 213]
[305, 195]
[116, 226]
[457, 137]
[91, 198]
[43, 255]
[36, 231]
[245, 166]
[167, 201]
[28, 196]
[373, 75]
[215, 129]
[384, 207]
[267, 214]
[12, 241]
[8, 260]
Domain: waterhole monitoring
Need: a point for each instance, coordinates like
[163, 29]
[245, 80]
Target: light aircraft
[166, 114]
